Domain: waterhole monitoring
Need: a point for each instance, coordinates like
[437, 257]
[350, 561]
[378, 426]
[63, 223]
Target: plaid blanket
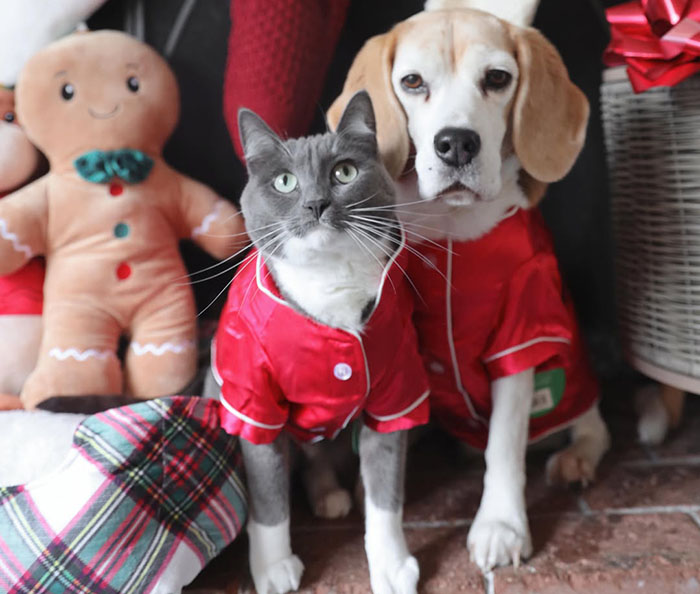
[148, 495]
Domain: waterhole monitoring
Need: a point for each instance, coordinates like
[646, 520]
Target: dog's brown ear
[550, 112]
[371, 71]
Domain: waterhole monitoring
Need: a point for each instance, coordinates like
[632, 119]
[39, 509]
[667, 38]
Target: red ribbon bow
[658, 40]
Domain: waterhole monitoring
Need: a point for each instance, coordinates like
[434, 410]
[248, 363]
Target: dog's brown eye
[412, 82]
[495, 80]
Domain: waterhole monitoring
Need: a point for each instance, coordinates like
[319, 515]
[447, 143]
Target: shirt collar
[267, 285]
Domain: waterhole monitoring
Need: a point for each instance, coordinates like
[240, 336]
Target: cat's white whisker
[406, 226]
[232, 256]
[228, 269]
[349, 206]
[267, 257]
[219, 294]
[389, 254]
[244, 263]
[393, 206]
[364, 247]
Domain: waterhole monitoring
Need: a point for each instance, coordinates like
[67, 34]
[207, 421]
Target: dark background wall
[576, 208]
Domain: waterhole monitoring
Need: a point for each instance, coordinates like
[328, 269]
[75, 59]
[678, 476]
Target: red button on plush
[115, 189]
[123, 271]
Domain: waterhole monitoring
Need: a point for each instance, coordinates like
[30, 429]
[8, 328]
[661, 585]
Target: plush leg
[20, 337]
[275, 569]
[77, 355]
[500, 534]
[392, 569]
[577, 463]
[162, 355]
[326, 497]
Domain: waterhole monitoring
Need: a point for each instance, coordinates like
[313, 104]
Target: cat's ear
[358, 117]
[256, 136]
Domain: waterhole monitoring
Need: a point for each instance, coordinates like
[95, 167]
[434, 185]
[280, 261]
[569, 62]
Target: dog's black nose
[457, 146]
[317, 206]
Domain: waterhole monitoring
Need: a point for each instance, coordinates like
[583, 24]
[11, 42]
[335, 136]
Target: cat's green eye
[285, 182]
[344, 172]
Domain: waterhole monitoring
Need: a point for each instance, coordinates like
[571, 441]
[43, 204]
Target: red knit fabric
[279, 52]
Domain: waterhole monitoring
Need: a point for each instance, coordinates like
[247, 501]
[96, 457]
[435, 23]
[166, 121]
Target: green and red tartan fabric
[148, 495]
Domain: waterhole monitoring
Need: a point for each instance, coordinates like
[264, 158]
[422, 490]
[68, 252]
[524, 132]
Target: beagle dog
[475, 115]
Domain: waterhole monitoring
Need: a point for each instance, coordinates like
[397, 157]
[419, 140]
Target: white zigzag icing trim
[208, 220]
[160, 349]
[11, 237]
[63, 354]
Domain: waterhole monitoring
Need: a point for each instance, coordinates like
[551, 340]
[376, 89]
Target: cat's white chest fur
[330, 277]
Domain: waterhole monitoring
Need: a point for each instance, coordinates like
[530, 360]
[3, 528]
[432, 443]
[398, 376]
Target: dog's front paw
[494, 542]
[394, 576]
[333, 504]
[570, 466]
[279, 577]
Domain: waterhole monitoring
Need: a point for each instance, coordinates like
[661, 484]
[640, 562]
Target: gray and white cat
[303, 208]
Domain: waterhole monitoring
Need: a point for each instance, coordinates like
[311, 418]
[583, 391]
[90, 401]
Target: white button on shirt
[342, 371]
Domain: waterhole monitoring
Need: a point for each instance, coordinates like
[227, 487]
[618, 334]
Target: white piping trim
[151, 348]
[385, 272]
[525, 345]
[72, 353]
[405, 411]
[208, 220]
[258, 281]
[212, 361]
[348, 419]
[247, 419]
[450, 339]
[509, 213]
[14, 239]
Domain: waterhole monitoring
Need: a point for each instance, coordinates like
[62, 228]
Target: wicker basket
[653, 151]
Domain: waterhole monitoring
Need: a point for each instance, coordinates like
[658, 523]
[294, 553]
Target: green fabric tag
[549, 390]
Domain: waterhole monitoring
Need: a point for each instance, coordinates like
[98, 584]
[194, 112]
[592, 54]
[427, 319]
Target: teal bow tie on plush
[99, 167]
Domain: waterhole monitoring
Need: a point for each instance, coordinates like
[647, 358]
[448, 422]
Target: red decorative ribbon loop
[659, 41]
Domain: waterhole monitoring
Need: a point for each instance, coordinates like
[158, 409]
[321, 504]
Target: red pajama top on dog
[280, 370]
[22, 292]
[494, 307]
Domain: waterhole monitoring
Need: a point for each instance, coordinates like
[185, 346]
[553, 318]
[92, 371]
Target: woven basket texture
[653, 152]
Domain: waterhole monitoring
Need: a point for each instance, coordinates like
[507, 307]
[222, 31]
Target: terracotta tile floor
[637, 529]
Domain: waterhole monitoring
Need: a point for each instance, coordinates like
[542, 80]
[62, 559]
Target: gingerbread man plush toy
[108, 216]
[20, 292]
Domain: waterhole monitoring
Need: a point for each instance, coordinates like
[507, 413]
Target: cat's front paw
[279, 577]
[494, 541]
[393, 576]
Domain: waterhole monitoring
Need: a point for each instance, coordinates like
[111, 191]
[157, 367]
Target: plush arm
[209, 220]
[23, 218]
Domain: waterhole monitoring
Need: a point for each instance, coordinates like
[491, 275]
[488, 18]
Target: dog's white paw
[333, 504]
[494, 542]
[389, 576]
[654, 421]
[279, 577]
[570, 466]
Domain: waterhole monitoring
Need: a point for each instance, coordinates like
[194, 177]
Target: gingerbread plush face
[18, 157]
[101, 90]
